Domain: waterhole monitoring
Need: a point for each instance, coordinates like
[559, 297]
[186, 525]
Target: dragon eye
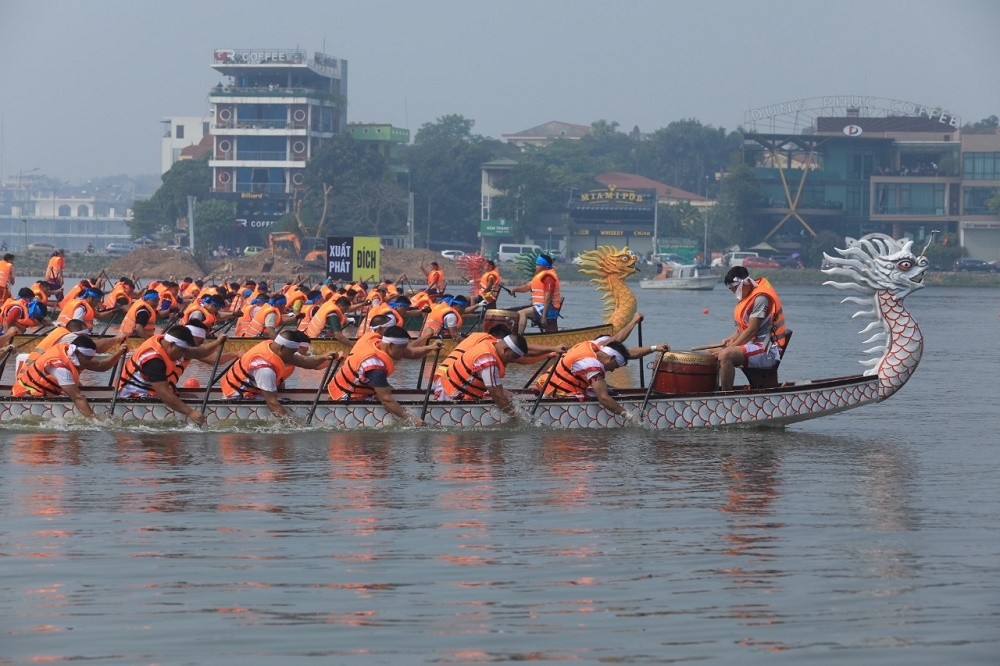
[904, 264]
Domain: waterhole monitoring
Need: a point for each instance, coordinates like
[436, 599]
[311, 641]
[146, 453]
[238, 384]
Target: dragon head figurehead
[610, 267]
[883, 271]
[878, 262]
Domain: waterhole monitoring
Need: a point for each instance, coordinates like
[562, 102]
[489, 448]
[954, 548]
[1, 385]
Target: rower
[150, 371]
[57, 372]
[262, 370]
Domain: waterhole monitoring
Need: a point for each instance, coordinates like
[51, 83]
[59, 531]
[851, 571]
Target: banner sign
[495, 228]
[353, 258]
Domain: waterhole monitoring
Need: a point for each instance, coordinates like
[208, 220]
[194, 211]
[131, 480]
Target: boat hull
[788, 403]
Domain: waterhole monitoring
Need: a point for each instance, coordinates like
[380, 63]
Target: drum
[687, 372]
[506, 317]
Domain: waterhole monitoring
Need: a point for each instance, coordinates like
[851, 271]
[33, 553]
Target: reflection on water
[463, 547]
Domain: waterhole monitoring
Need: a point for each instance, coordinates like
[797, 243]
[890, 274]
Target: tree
[453, 127]
[445, 176]
[737, 201]
[984, 126]
[687, 154]
[214, 220]
[339, 178]
[169, 203]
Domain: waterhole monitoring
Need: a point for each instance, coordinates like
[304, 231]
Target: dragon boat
[877, 271]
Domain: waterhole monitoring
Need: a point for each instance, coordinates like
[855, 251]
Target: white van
[733, 259]
[508, 251]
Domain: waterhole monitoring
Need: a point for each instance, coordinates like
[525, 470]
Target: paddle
[649, 389]
[330, 369]
[111, 318]
[3, 362]
[114, 383]
[642, 366]
[544, 365]
[704, 347]
[430, 384]
[548, 380]
[214, 378]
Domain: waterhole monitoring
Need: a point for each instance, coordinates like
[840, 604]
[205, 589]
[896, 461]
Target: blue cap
[542, 261]
[151, 296]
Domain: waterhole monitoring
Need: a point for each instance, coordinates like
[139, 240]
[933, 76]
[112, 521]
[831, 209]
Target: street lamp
[550, 241]
[24, 220]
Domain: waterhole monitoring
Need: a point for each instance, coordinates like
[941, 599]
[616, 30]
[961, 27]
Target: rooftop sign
[799, 114]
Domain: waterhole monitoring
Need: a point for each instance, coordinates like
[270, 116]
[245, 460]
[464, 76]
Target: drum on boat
[506, 317]
[687, 372]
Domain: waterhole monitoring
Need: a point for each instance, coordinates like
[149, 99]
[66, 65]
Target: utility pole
[191, 202]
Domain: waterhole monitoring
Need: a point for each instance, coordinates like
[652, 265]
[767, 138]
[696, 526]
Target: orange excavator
[312, 252]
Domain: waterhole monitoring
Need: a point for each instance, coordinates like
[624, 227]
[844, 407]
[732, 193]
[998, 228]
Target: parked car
[452, 254]
[46, 248]
[760, 262]
[251, 250]
[788, 260]
[119, 248]
[969, 264]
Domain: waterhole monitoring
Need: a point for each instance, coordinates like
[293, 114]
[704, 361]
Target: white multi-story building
[268, 118]
[180, 132]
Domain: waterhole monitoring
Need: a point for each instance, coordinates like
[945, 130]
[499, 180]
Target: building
[180, 132]
[269, 116]
[385, 139]
[853, 165]
[544, 134]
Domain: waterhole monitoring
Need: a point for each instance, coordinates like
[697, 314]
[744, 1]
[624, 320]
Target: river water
[866, 537]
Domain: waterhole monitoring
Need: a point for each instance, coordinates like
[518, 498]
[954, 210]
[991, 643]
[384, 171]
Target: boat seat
[760, 378]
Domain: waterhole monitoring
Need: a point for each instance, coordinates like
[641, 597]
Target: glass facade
[981, 166]
[975, 198]
[909, 199]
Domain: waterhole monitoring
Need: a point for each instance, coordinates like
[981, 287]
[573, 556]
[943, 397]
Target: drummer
[760, 323]
[490, 285]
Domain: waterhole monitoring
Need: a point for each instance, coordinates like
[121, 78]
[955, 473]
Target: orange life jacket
[383, 309]
[317, 323]
[35, 381]
[238, 381]
[242, 329]
[6, 271]
[564, 381]
[775, 312]
[70, 308]
[256, 326]
[460, 348]
[348, 382]
[45, 344]
[208, 318]
[435, 279]
[538, 289]
[435, 319]
[23, 320]
[132, 371]
[130, 321]
[460, 380]
[484, 285]
[111, 300]
[420, 300]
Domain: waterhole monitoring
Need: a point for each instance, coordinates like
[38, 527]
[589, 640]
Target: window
[981, 166]
[179, 132]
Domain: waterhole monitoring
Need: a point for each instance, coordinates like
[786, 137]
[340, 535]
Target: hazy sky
[84, 85]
